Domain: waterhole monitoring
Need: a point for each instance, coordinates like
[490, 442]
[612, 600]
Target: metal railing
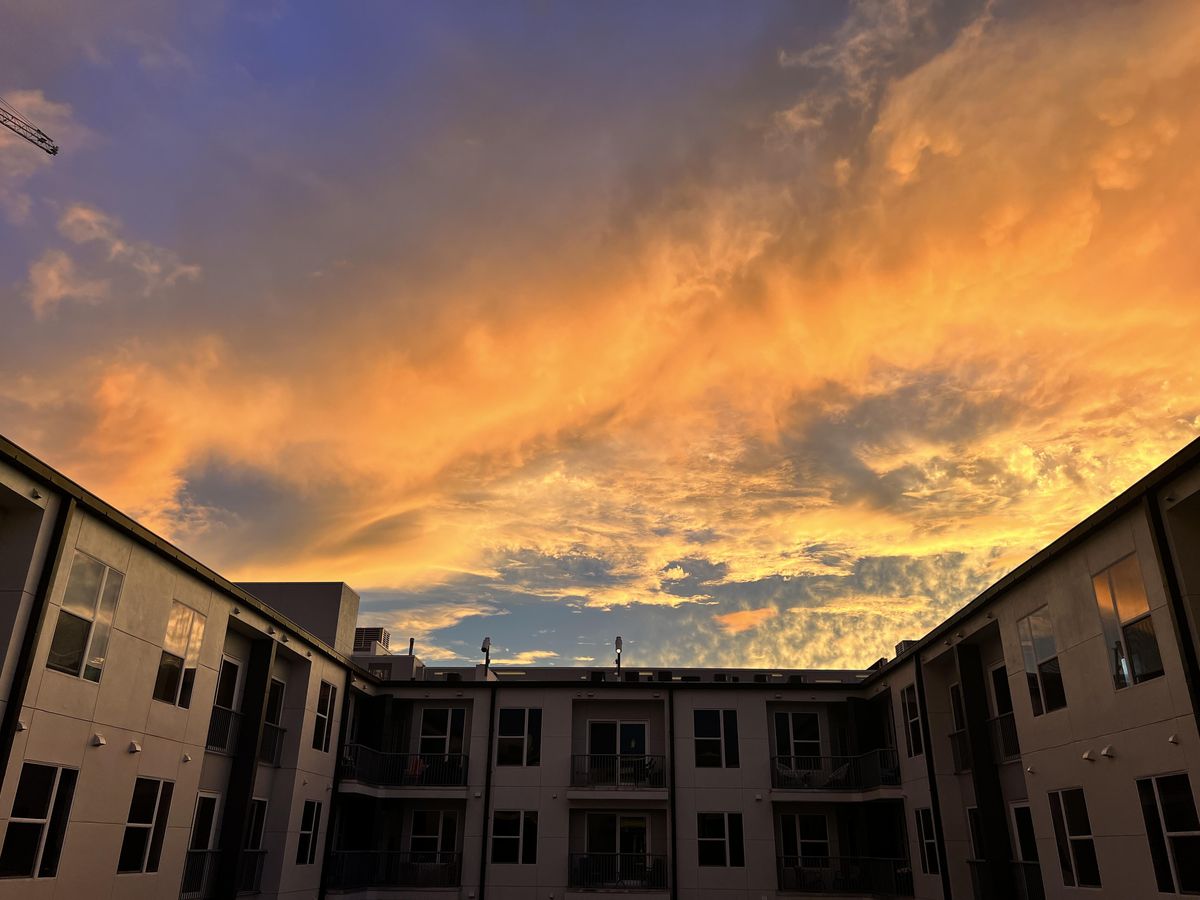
[960, 750]
[224, 725]
[357, 869]
[271, 748]
[1004, 737]
[642, 871]
[618, 771]
[876, 768]
[845, 875]
[1026, 876]
[361, 763]
[199, 868]
[250, 870]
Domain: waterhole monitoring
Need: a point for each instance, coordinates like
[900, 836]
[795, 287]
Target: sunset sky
[757, 333]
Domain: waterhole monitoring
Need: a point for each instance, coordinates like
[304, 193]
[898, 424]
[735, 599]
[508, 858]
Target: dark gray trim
[934, 802]
[671, 795]
[487, 792]
[1185, 633]
[33, 631]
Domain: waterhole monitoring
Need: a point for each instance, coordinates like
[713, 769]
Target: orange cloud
[745, 619]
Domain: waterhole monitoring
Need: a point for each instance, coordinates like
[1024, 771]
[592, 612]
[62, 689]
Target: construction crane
[15, 122]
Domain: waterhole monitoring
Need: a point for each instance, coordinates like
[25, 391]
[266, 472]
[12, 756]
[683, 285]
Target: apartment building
[168, 733]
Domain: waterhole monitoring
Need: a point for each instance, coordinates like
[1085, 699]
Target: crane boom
[15, 122]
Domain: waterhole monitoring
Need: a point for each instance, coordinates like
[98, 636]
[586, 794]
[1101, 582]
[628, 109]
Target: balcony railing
[224, 725]
[358, 869]
[618, 871]
[1027, 880]
[271, 748]
[960, 750]
[250, 871]
[876, 768]
[1004, 737]
[199, 868]
[845, 875]
[360, 763]
[606, 770]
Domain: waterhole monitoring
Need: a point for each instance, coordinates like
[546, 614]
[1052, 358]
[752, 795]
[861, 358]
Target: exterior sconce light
[187, 757]
[1029, 769]
[135, 747]
[1107, 752]
[1089, 756]
[21, 726]
[236, 611]
[1173, 739]
[98, 740]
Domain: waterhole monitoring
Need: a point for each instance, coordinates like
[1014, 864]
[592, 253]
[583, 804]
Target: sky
[760, 334]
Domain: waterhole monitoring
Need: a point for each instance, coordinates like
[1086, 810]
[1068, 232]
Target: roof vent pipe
[411, 642]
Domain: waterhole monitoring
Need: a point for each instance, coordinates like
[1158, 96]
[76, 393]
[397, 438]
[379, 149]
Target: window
[719, 839]
[1128, 629]
[434, 832]
[1073, 835]
[258, 823]
[323, 729]
[146, 825]
[382, 671]
[442, 731]
[180, 656]
[1173, 829]
[520, 738]
[310, 824]
[798, 739]
[80, 640]
[1042, 670]
[913, 742]
[716, 738]
[805, 840]
[229, 682]
[927, 842]
[514, 837]
[975, 829]
[38, 821]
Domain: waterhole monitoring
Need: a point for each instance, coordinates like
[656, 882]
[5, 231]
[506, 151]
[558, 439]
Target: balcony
[271, 748]
[199, 874]
[618, 871]
[224, 726]
[858, 875]
[1004, 737]
[960, 750]
[622, 772]
[250, 869]
[370, 766]
[1027, 880]
[877, 768]
[359, 869]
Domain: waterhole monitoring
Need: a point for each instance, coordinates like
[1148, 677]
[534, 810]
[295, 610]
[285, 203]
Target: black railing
[845, 875]
[199, 867]
[1004, 737]
[224, 726]
[1026, 876]
[641, 871]
[360, 763]
[271, 748]
[356, 869]
[876, 768]
[250, 871]
[613, 771]
[960, 750]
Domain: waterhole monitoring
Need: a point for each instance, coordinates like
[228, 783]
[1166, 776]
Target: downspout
[487, 792]
[1178, 606]
[939, 832]
[33, 631]
[337, 780]
[671, 789]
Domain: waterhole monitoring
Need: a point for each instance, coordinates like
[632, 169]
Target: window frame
[1164, 835]
[447, 739]
[726, 841]
[914, 739]
[189, 662]
[1029, 657]
[89, 643]
[323, 721]
[1114, 628]
[726, 739]
[530, 737]
[155, 829]
[52, 824]
[805, 859]
[1062, 834]
[306, 850]
[931, 862]
[526, 837]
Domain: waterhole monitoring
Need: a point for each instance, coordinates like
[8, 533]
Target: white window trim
[519, 837]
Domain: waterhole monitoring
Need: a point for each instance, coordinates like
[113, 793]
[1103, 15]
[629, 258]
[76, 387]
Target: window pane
[323, 698]
[160, 826]
[226, 684]
[435, 722]
[1075, 808]
[33, 792]
[141, 807]
[1027, 652]
[731, 738]
[1035, 693]
[1060, 838]
[512, 723]
[505, 849]
[1142, 646]
[179, 625]
[707, 723]
[1043, 634]
[783, 734]
[170, 671]
[529, 845]
[58, 823]
[195, 641]
[1187, 862]
[83, 586]
[1154, 834]
[807, 726]
[510, 751]
[103, 628]
[1178, 805]
[302, 847]
[70, 640]
[1052, 684]
[533, 747]
[316, 828]
[133, 849]
[20, 847]
[711, 853]
[425, 822]
[1087, 868]
[506, 824]
[710, 825]
[737, 855]
[708, 753]
[1129, 588]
